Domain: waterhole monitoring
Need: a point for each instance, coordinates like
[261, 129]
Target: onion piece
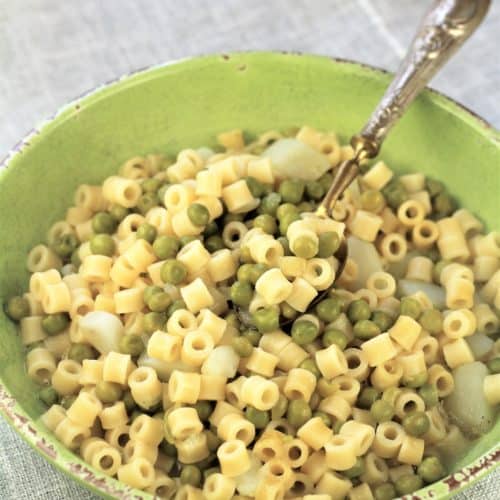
[102, 330]
[436, 294]
[480, 345]
[367, 259]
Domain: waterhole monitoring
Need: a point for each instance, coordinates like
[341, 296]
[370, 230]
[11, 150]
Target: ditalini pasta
[194, 335]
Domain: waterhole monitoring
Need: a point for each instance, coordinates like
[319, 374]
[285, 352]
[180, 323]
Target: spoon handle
[443, 30]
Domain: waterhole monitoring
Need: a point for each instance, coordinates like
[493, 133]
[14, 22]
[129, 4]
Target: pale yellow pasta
[387, 374]
[162, 486]
[259, 392]
[233, 392]
[161, 220]
[390, 221]
[212, 324]
[378, 176]
[261, 169]
[457, 352]
[219, 487]
[424, 234]
[196, 295]
[183, 422]
[300, 384]
[411, 213]
[91, 372]
[84, 409]
[139, 449]
[357, 364]
[413, 364]
[114, 416]
[337, 407]
[382, 283]
[139, 473]
[291, 266]
[182, 225]
[164, 346]
[135, 168]
[459, 323]
[212, 387]
[127, 229]
[53, 417]
[58, 345]
[181, 322]
[129, 301]
[319, 273]
[406, 402]
[411, 451]
[393, 247]
[196, 347]
[451, 242]
[145, 386]
[455, 270]
[442, 379]
[140, 255]
[238, 198]
[365, 225]
[388, 439]
[40, 364]
[291, 356]
[331, 362]
[484, 267]
[273, 286]
[405, 331]
[220, 411]
[437, 427]
[123, 273]
[488, 245]
[35, 306]
[84, 233]
[487, 320]
[96, 268]
[125, 192]
[233, 458]
[340, 452]
[77, 215]
[70, 433]
[491, 388]
[420, 268]
[221, 265]
[266, 250]
[104, 303]
[361, 434]
[233, 234]
[106, 459]
[380, 348]
[234, 426]
[117, 367]
[184, 387]
[369, 296]
[147, 430]
[31, 329]
[361, 492]
[208, 183]
[301, 295]
[262, 362]
[490, 289]
[193, 449]
[66, 378]
[375, 469]
[41, 258]
[226, 169]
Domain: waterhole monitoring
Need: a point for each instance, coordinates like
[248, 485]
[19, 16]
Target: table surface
[52, 51]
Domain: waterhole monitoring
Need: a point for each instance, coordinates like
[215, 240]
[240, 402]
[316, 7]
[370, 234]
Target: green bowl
[169, 107]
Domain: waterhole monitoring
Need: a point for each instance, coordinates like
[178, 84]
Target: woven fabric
[52, 51]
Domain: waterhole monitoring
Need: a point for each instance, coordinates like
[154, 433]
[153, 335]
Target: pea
[65, 245]
[410, 307]
[433, 187]
[336, 425]
[326, 181]
[232, 320]
[128, 401]
[79, 352]
[173, 271]
[253, 336]
[288, 311]
[185, 240]
[292, 190]
[102, 244]
[286, 220]
[108, 392]
[75, 258]
[213, 441]
[298, 413]
[283, 241]
[232, 218]
[154, 321]
[305, 247]
[175, 306]
[131, 344]
[257, 271]
[242, 346]
[17, 308]
[438, 267]
[55, 323]
[169, 449]
[286, 209]
[326, 387]
[48, 395]
[383, 320]
[214, 243]
[494, 365]
[443, 205]
[385, 491]
[151, 290]
[190, 474]
[315, 190]
[244, 273]
[258, 418]
[67, 401]
[358, 310]
[416, 423]
[372, 200]
[266, 222]
[381, 411]
[365, 329]
[429, 393]
[146, 232]
[208, 472]
[332, 294]
[150, 185]
[334, 336]
[367, 397]
[270, 203]
[416, 380]
[118, 212]
[432, 321]
[159, 302]
[198, 214]
[280, 408]
[408, 483]
[241, 293]
[256, 188]
[146, 202]
[328, 310]
[166, 247]
[304, 332]
[204, 409]
[328, 244]
[103, 222]
[395, 193]
[431, 469]
[324, 417]
[356, 470]
[310, 365]
[245, 255]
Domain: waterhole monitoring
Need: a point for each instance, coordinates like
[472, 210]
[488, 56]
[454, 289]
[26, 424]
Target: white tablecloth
[52, 51]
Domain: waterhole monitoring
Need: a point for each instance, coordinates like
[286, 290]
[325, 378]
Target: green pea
[438, 267]
[65, 245]
[150, 185]
[494, 365]
[334, 336]
[416, 380]
[283, 241]
[253, 336]
[55, 323]
[432, 321]
[429, 393]
[305, 247]
[324, 417]
[416, 423]
[298, 413]
[185, 240]
[169, 449]
[214, 243]
[211, 229]
[288, 311]
[381, 411]
[17, 308]
[154, 321]
[326, 387]
[383, 320]
[118, 212]
[315, 190]
[328, 310]
[280, 408]
[286, 220]
[175, 306]
[395, 193]
[292, 190]
[332, 294]
[166, 247]
[310, 365]
[207, 462]
[232, 320]
[131, 344]
[434, 187]
[67, 401]
[328, 244]
[431, 470]
[257, 271]
[258, 418]
[365, 329]
[135, 414]
[146, 202]
[208, 472]
[356, 470]
[256, 188]
[367, 397]
[245, 255]
[128, 401]
[103, 222]
[108, 392]
[266, 222]
[159, 302]
[204, 409]
[358, 310]
[149, 291]
[443, 205]
[337, 425]
[244, 273]
[230, 217]
[173, 271]
[410, 307]
[326, 181]
[213, 441]
[385, 491]
[198, 214]
[304, 332]
[102, 244]
[190, 474]
[286, 209]
[75, 258]
[146, 232]
[372, 200]
[48, 395]
[79, 352]
[408, 483]
[241, 293]
[270, 203]
[305, 206]
[242, 346]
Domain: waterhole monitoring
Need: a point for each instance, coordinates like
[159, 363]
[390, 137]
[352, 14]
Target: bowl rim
[43, 441]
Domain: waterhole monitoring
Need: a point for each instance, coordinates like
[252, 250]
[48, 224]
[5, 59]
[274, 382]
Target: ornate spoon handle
[443, 30]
